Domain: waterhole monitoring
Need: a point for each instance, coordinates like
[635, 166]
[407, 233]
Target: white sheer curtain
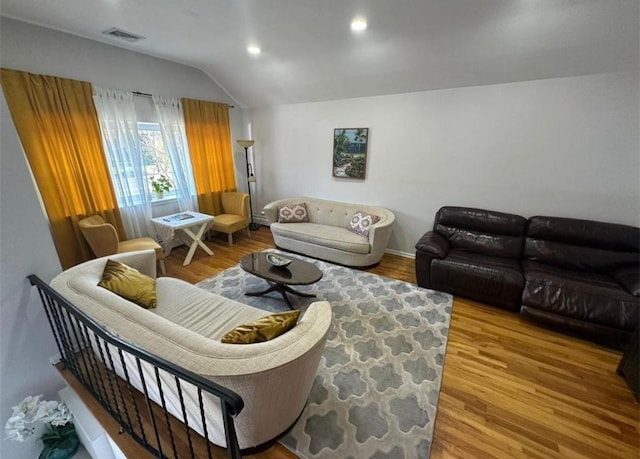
[119, 127]
[171, 120]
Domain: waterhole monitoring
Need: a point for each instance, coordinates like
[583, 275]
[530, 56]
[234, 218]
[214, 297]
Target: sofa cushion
[197, 310]
[293, 213]
[129, 283]
[572, 256]
[361, 222]
[610, 236]
[229, 222]
[494, 280]
[264, 329]
[482, 231]
[323, 235]
[587, 296]
[482, 220]
[483, 243]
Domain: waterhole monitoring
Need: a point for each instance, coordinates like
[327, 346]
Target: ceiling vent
[123, 34]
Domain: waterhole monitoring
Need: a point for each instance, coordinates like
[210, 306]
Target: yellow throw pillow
[130, 284]
[263, 329]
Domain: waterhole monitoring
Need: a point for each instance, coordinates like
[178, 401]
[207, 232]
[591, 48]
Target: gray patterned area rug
[376, 391]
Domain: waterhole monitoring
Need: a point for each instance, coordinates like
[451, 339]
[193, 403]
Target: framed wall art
[350, 152]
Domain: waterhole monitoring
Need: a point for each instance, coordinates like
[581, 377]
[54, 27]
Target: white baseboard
[401, 254]
[261, 220]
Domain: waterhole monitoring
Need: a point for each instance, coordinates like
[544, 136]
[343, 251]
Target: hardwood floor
[510, 388]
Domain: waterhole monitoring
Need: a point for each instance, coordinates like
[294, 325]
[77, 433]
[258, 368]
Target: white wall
[26, 247]
[566, 147]
[25, 242]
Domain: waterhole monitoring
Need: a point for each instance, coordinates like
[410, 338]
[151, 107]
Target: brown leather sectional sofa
[579, 275]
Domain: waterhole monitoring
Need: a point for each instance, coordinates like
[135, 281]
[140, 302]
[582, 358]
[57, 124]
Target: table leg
[282, 289]
[168, 250]
[197, 241]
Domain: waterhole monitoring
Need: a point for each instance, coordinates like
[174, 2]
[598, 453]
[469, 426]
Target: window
[156, 160]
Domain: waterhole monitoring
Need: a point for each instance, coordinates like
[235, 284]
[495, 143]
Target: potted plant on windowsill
[160, 185]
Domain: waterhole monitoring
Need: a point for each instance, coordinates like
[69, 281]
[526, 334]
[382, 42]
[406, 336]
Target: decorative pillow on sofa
[263, 329]
[293, 213]
[361, 222]
[130, 284]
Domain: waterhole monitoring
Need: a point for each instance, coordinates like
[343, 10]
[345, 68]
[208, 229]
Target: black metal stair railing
[133, 385]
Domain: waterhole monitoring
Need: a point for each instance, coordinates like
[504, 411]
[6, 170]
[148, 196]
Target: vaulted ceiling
[309, 52]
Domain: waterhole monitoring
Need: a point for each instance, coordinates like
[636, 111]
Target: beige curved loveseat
[326, 236]
[273, 378]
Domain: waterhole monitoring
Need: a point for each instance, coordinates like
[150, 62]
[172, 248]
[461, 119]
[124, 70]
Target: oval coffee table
[298, 272]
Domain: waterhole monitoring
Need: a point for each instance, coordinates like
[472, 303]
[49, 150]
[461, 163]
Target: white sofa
[326, 236]
[273, 378]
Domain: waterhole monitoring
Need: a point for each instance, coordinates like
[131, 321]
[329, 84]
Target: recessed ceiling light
[253, 50]
[358, 25]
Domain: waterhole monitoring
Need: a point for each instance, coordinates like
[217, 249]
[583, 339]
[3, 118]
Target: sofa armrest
[142, 260]
[431, 245]
[270, 212]
[629, 278]
[380, 233]
[434, 244]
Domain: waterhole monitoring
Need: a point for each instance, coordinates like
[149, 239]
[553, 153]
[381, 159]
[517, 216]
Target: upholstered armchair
[234, 216]
[103, 240]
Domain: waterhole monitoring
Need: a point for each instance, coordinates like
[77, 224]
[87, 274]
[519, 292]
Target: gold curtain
[59, 131]
[209, 140]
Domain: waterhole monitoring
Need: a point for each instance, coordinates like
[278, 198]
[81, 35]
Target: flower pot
[66, 450]
[159, 194]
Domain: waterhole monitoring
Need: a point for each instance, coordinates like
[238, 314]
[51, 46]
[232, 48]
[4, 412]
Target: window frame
[172, 194]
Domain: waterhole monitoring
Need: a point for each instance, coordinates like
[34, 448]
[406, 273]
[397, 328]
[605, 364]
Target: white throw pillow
[361, 222]
[293, 213]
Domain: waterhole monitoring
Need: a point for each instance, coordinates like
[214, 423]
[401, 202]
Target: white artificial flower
[28, 406]
[63, 416]
[46, 412]
[21, 425]
[19, 428]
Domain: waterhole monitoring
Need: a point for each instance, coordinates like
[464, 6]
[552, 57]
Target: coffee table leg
[275, 287]
[272, 287]
[295, 292]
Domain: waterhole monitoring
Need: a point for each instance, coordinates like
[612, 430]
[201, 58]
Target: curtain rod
[144, 94]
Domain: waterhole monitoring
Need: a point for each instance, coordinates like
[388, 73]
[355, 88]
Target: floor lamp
[250, 179]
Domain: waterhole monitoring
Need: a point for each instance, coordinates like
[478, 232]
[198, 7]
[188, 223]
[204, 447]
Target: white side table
[188, 226]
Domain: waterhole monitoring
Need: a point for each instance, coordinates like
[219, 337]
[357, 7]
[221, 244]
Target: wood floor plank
[510, 388]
